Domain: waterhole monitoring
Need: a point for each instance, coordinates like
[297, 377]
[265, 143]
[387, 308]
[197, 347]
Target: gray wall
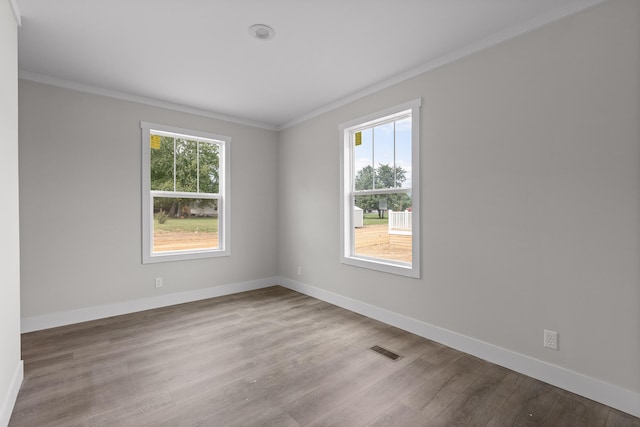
[80, 162]
[530, 199]
[9, 234]
[530, 196]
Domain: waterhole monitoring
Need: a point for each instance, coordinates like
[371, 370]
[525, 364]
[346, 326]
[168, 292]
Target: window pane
[184, 224]
[383, 226]
[162, 164]
[383, 158]
[186, 165]
[209, 177]
[379, 159]
[403, 153]
[363, 161]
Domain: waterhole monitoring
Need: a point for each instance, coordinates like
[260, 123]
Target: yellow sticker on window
[358, 138]
[155, 142]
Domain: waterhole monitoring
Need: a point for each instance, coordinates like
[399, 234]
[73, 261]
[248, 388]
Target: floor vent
[386, 353]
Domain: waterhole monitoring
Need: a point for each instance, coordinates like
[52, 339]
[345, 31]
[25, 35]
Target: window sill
[184, 256]
[386, 266]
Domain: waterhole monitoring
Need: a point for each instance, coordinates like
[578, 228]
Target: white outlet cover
[551, 339]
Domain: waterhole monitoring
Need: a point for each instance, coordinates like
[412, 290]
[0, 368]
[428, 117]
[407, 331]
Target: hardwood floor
[274, 357]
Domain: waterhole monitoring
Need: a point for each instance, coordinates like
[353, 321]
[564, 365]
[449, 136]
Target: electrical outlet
[299, 271]
[158, 282]
[551, 339]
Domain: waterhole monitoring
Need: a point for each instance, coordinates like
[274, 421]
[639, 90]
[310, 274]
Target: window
[380, 191]
[185, 194]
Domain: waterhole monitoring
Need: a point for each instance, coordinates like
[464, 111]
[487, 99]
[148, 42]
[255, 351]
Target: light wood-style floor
[274, 357]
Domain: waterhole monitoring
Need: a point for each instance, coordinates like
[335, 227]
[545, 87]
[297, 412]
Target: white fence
[400, 222]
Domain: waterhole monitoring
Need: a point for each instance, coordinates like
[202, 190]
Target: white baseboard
[46, 321]
[591, 388]
[12, 394]
[600, 391]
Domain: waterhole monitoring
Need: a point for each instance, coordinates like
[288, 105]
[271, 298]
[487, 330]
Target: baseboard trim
[591, 388]
[12, 394]
[46, 321]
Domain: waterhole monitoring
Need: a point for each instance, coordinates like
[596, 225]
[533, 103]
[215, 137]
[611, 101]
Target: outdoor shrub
[162, 217]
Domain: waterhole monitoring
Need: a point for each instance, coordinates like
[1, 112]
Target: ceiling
[197, 55]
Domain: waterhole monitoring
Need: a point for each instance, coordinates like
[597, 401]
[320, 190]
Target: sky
[378, 147]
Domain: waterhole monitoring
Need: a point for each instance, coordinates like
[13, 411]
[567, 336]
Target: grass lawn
[372, 219]
[187, 225]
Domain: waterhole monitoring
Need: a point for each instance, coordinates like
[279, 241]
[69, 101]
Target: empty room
[320, 213]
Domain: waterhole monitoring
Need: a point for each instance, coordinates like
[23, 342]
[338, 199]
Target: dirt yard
[374, 240]
[371, 240]
[175, 241]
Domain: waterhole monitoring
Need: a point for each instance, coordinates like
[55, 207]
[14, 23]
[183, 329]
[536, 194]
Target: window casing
[185, 194]
[379, 182]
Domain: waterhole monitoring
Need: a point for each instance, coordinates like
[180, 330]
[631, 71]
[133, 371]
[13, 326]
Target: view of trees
[197, 166]
[383, 176]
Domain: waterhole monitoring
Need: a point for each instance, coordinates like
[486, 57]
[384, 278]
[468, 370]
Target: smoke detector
[262, 32]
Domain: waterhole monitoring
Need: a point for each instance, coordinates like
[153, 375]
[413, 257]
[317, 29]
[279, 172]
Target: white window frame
[224, 205]
[347, 191]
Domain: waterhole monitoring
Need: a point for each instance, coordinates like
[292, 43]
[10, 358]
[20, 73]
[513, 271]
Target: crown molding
[453, 56]
[66, 84]
[477, 46]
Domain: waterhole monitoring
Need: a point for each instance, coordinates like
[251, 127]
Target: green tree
[364, 178]
[384, 176]
[364, 181]
[162, 165]
[184, 165]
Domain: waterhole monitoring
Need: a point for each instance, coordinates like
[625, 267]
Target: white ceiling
[197, 54]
